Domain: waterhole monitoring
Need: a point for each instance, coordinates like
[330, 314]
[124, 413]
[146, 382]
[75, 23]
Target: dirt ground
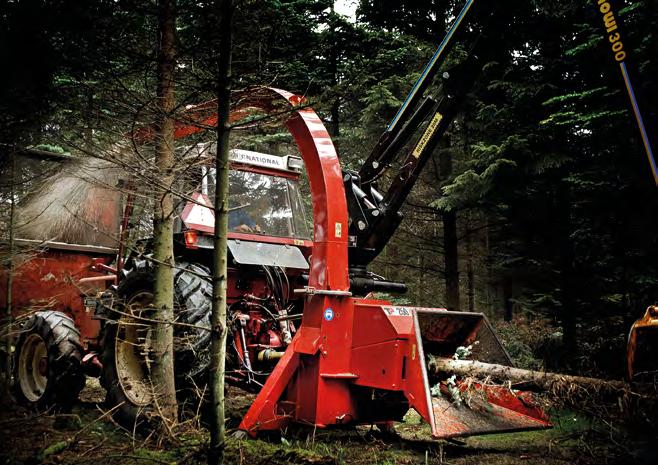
[89, 436]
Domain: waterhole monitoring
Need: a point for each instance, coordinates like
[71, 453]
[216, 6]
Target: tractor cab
[267, 222]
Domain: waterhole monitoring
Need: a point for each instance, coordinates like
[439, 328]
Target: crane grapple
[642, 364]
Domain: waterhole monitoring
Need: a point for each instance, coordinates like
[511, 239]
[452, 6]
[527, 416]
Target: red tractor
[269, 245]
[77, 333]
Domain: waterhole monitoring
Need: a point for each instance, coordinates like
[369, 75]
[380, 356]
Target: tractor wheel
[194, 296]
[47, 363]
[126, 345]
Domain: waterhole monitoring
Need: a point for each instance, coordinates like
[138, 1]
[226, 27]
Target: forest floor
[88, 436]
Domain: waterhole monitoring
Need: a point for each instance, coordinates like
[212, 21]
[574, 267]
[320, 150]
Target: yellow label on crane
[427, 135]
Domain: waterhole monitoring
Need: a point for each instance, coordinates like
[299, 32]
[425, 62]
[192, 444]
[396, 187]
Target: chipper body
[362, 361]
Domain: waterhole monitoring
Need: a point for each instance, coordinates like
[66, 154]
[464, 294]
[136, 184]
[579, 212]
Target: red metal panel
[380, 322]
[307, 340]
[380, 365]
[519, 401]
[334, 403]
[48, 280]
[480, 414]
[263, 414]
[416, 386]
[371, 325]
[377, 321]
[305, 390]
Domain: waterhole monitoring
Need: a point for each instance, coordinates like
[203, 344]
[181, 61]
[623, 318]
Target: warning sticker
[397, 311]
[198, 215]
[427, 135]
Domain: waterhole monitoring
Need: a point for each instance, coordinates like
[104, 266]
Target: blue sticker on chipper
[329, 314]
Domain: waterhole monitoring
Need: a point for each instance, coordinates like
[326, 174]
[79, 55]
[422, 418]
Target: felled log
[541, 379]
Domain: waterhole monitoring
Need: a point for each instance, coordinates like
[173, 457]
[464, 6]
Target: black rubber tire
[65, 377]
[193, 287]
[125, 411]
[193, 291]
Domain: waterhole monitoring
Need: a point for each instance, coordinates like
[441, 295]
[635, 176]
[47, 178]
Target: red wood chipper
[360, 360]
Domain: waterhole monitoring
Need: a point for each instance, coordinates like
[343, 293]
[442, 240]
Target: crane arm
[375, 216]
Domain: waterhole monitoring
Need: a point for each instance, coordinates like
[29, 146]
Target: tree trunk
[470, 272]
[220, 277]
[450, 239]
[508, 294]
[568, 278]
[10, 280]
[450, 244]
[541, 379]
[333, 69]
[89, 125]
[421, 280]
[163, 253]
[489, 268]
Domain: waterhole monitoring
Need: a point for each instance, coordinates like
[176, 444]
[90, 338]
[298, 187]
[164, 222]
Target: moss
[171, 455]
[283, 453]
[575, 439]
[52, 449]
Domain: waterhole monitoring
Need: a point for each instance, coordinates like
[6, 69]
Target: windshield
[262, 204]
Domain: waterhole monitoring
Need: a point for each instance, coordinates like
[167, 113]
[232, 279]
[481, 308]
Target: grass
[159, 455]
[575, 439]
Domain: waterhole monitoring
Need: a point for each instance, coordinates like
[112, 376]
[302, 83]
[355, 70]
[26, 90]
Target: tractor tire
[47, 364]
[193, 287]
[125, 348]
